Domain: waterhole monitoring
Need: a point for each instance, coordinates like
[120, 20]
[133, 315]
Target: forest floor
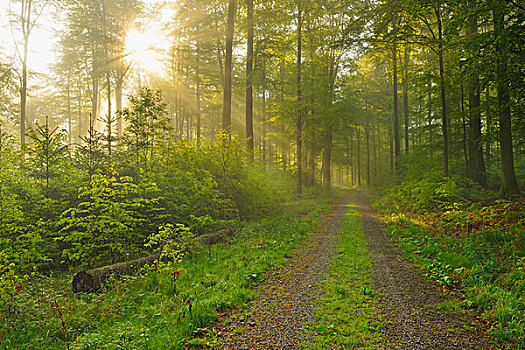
[349, 287]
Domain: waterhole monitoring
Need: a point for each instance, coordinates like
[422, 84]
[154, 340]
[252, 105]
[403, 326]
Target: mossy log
[91, 280]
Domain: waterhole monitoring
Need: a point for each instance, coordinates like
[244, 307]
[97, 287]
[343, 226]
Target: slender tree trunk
[249, 86]
[405, 96]
[264, 143]
[464, 125]
[397, 143]
[109, 118]
[299, 121]
[430, 142]
[367, 136]
[375, 141]
[69, 116]
[312, 166]
[358, 157]
[488, 127]
[118, 101]
[509, 185]
[443, 95]
[352, 163]
[198, 96]
[94, 97]
[476, 161]
[23, 96]
[25, 17]
[80, 125]
[227, 101]
[327, 159]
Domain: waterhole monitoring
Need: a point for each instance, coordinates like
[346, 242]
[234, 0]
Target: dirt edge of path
[286, 301]
[413, 309]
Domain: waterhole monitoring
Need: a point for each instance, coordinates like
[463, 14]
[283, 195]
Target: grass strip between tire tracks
[345, 316]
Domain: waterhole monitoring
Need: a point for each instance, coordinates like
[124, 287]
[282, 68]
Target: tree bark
[358, 157]
[405, 96]
[249, 85]
[227, 101]
[509, 184]
[299, 121]
[327, 159]
[367, 136]
[118, 102]
[69, 116]
[443, 95]
[397, 143]
[198, 96]
[476, 161]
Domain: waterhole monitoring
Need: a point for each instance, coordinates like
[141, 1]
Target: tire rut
[286, 303]
[409, 304]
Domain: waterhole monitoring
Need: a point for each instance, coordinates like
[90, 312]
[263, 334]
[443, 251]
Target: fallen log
[91, 280]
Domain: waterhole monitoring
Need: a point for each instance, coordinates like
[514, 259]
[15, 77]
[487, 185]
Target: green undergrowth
[155, 310]
[476, 248]
[345, 316]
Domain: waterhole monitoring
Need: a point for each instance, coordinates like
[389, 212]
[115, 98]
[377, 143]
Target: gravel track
[275, 318]
[408, 302]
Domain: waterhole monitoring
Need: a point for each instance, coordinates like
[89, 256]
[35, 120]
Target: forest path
[416, 313]
[286, 301]
[412, 310]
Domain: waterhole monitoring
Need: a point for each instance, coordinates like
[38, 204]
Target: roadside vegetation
[167, 304]
[62, 212]
[469, 240]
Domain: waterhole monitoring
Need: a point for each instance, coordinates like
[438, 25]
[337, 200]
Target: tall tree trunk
[118, 101]
[109, 120]
[464, 126]
[23, 95]
[94, 96]
[444, 119]
[358, 157]
[351, 152]
[397, 143]
[406, 110]
[430, 142]
[488, 127]
[198, 96]
[367, 140]
[249, 85]
[375, 143]
[299, 121]
[27, 25]
[264, 143]
[509, 185]
[476, 161]
[227, 101]
[79, 101]
[69, 116]
[367, 136]
[327, 159]
[312, 166]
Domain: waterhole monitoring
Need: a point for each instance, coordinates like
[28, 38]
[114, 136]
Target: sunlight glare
[143, 48]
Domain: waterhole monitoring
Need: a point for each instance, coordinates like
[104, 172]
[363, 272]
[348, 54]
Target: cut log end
[83, 282]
